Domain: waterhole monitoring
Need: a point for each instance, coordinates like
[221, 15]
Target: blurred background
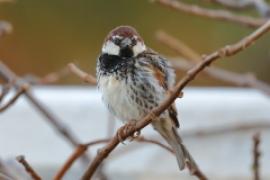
[49, 34]
[217, 121]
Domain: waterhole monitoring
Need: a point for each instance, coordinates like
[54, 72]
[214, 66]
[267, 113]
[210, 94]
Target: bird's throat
[114, 63]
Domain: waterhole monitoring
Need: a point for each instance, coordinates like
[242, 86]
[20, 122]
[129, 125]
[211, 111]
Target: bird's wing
[164, 73]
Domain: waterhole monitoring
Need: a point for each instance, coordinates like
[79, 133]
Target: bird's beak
[126, 43]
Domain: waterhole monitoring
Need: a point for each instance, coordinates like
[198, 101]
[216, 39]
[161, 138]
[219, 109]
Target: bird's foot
[122, 131]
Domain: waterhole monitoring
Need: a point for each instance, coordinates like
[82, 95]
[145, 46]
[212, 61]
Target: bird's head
[123, 41]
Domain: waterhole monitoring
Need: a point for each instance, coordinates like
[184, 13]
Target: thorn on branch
[28, 168]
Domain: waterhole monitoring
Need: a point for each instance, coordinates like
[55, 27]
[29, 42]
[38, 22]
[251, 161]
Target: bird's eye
[117, 41]
[134, 42]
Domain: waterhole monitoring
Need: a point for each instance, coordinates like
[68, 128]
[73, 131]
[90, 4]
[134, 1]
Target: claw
[124, 130]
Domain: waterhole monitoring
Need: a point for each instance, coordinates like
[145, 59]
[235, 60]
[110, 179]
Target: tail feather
[169, 133]
[182, 152]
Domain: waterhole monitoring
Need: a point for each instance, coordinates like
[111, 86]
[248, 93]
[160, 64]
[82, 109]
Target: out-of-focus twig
[244, 80]
[5, 28]
[50, 78]
[212, 14]
[227, 129]
[28, 168]
[178, 46]
[260, 5]
[256, 157]
[83, 147]
[5, 89]
[21, 91]
[66, 133]
[82, 75]
[228, 50]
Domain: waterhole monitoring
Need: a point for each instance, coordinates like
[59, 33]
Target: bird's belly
[117, 97]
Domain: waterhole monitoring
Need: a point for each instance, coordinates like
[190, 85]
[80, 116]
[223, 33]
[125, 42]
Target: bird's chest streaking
[129, 90]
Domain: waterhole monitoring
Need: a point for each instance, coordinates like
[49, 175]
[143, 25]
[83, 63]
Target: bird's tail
[174, 140]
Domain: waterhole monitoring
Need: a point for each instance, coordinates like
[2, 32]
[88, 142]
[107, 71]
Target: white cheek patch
[110, 48]
[138, 48]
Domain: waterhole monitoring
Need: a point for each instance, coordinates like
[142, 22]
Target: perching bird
[134, 79]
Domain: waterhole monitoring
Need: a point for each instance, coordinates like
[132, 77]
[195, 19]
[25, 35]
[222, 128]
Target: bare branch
[260, 5]
[75, 155]
[83, 147]
[178, 46]
[256, 157]
[5, 89]
[82, 75]
[50, 78]
[244, 80]
[212, 14]
[57, 124]
[191, 74]
[21, 91]
[28, 168]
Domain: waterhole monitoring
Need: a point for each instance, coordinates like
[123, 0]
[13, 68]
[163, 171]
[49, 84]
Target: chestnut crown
[123, 41]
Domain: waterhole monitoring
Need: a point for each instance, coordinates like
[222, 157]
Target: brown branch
[178, 46]
[227, 129]
[83, 147]
[5, 89]
[75, 155]
[57, 124]
[21, 91]
[28, 168]
[212, 14]
[244, 80]
[256, 157]
[260, 5]
[82, 75]
[196, 172]
[191, 74]
[50, 78]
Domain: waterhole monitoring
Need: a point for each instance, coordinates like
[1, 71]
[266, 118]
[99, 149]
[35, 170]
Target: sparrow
[133, 79]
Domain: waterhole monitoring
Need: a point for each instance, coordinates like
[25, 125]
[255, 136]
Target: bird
[133, 79]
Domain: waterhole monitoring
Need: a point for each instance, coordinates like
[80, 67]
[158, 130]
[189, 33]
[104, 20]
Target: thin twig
[82, 75]
[256, 157]
[57, 124]
[260, 5]
[243, 80]
[196, 172]
[21, 91]
[212, 14]
[191, 74]
[83, 147]
[5, 89]
[28, 168]
[75, 155]
[50, 78]
[227, 129]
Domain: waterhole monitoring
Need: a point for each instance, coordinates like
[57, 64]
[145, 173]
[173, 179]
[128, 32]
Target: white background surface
[226, 156]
